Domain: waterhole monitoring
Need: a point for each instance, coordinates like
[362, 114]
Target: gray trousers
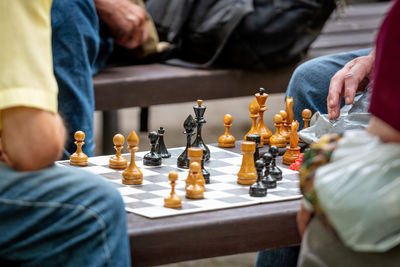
[321, 248]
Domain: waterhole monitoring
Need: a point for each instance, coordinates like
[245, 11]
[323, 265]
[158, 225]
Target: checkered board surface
[222, 192]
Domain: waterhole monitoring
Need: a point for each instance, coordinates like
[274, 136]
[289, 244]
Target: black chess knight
[199, 110]
[161, 149]
[152, 158]
[189, 125]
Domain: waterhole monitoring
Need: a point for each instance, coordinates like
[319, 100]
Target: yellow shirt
[26, 63]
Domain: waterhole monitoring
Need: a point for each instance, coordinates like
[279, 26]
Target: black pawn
[268, 180]
[152, 158]
[258, 189]
[274, 171]
[161, 149]
[257, 139]
[199, 110]
[189, 125]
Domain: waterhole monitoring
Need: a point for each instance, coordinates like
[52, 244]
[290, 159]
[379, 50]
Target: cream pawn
[227, 140]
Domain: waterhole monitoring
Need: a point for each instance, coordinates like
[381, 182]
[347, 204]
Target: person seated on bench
[50, 215]
[350, 214]
[321, 84]
[79, 51]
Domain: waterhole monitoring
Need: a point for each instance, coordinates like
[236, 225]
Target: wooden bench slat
[344, 41]
[340, 26]
[168, 84]
[368, 9]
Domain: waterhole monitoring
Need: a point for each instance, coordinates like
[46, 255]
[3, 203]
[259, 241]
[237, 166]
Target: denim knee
[61, 216]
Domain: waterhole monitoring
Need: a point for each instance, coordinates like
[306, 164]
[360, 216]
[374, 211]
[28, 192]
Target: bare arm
[31, 139]
[352, 78]
[125, 20]
[383, 130]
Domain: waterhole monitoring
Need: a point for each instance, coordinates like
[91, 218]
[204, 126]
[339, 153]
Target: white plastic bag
[359, 191]
[352, 117]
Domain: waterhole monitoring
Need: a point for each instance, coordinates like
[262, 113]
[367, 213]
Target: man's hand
[32, 139]
[352, 78]
[303, 218]
[125, 20]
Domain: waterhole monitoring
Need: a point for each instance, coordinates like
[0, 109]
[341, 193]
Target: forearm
[384, 131]
[32, 139]
[104, 8]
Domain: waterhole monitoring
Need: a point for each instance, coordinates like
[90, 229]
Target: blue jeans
[78, 53]
[279, 257]
[309, 87]
[309, 84]
[61, 217]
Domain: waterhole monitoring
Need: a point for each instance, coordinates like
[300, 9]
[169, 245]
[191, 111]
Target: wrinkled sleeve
[26, 65]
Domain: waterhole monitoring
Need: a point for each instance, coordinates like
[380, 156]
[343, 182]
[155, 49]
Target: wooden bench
[154, 84]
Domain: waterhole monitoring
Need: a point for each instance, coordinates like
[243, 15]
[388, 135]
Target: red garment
[385, 99]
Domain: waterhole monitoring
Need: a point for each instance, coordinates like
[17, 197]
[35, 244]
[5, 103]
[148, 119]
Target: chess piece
[247, 174]
[198, 142]
[258, 189]
[132, 175]
[274, 171]
[293, 150]
[79, 158]
[227, 140]
[195, 154]
[173, 201]
[277, 139]
[268, 180]
[306, 114]
[284, 132]
[152, 158]
[261, 127]
[161, 149]
[289, 112]
[257, 139]
[254, 108]
[183, 159]
[118, 161]
[194, 190]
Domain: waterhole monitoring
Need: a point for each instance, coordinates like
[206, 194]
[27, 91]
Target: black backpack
[252, 34]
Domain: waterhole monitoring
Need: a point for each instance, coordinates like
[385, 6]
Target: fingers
[353, 80]
[335, 93]
[135, 32]
[346, 82]
[126, 21]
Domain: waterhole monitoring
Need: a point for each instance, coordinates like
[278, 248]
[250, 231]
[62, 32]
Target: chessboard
[222, 192]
